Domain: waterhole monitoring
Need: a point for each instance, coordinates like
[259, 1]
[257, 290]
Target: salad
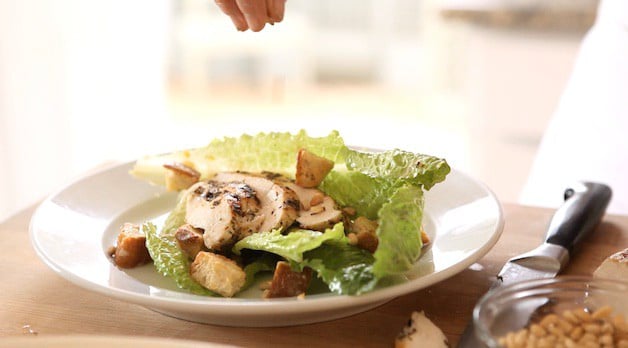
[291, 205]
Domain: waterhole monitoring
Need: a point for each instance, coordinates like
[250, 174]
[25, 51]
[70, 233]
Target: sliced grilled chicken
[278, 203]
[307, 196]
[320, 216]
[318, 211]
[226, 211]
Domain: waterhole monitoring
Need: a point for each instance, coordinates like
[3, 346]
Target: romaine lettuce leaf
[168, 258]
[275, 152]
[398, 208]
[372, 178]
[399, 232]
[291, 246]
[399, 165]
[346, 269]
[363, 193]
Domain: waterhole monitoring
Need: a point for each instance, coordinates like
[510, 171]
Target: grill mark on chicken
[227, 212]
[271, 175]
[243, 191]
[279, 204]
[211, 191]
[294, 203]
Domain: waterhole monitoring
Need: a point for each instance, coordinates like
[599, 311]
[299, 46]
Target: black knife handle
[584, 207]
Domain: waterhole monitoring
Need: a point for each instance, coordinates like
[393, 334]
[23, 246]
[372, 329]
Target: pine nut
[572, 329]
[602, 312]
[583, 315]
[549, 319]
[593, 328]
[577, 333]
[537, 330]
[606, 340]
[588, 337]
[571, 317]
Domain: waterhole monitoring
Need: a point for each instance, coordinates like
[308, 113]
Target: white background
[84, 83]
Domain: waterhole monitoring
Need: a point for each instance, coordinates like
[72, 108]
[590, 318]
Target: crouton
[130, 250]
[217, 273]
[363, 224]
[367, 241]
[180, 176]
[288, 283]
[311, 169]
[190, 240]
[365, 232]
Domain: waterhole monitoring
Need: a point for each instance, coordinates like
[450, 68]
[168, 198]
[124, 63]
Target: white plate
[72, 230]
[97, 341]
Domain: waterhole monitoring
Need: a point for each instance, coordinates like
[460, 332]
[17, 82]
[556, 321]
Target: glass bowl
[553, 306]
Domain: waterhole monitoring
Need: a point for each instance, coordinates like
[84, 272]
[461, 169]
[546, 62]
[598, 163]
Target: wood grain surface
[35, 300]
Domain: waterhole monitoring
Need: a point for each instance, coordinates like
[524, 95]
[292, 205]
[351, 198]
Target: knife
[584, 206]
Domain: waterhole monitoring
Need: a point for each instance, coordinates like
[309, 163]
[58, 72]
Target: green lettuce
[357, 190]
[398, 165]
[399, 232]
[275, 152]
[372, 178]
[291, 246]
[168, 258]
[346, 269]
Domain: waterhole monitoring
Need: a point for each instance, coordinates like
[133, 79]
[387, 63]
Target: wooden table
[32, 294]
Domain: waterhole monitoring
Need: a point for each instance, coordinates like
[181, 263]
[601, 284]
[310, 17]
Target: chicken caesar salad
[291, 205]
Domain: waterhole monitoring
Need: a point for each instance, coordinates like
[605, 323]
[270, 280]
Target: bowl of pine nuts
[569, 311]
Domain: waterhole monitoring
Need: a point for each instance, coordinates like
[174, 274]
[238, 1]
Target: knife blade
[583, 208]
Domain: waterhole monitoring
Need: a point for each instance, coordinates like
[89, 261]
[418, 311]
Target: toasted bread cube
[217, 273]
[189, 239]
[311, 169]
[131, 248]
[180, 176]
[288, 283]
[367, 241]
[365, 231]
[363, 224]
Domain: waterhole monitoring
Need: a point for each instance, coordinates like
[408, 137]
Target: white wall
[74, 74]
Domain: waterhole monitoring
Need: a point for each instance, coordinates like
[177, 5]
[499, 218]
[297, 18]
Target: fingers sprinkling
[231, 9]
[254, 12]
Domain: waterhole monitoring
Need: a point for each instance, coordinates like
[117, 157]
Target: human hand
[252, 14]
